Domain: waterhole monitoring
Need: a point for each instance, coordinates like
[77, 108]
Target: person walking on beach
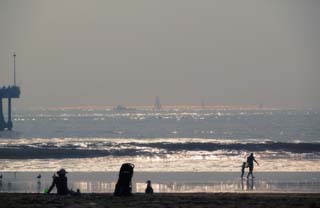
[250, 161]
[243, 166]
[61, 182]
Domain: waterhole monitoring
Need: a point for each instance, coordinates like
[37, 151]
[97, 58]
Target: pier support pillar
[2, 122]
[10, 93]
[9, 124]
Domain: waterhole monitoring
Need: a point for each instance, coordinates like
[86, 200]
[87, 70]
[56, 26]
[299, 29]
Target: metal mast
[14, 69]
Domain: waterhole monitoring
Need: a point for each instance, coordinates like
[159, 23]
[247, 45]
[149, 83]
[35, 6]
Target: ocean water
[171, 140]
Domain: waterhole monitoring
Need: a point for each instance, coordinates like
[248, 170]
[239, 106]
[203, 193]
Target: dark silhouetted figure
[61, 182]
[39, 183]
[243, 166]
[149, 189]
[1, 176]
[250, 161]
[124, 185]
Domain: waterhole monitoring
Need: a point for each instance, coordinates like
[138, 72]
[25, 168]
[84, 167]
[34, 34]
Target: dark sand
[274, 200]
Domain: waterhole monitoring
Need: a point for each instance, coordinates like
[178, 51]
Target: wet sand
[227, 200]
[168, 182]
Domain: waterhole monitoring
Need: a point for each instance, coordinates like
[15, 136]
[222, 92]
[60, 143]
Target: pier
[9, 93]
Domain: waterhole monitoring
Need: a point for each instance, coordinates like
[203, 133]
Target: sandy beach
[239, 200]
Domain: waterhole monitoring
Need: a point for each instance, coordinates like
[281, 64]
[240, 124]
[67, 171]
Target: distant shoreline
[225, 200]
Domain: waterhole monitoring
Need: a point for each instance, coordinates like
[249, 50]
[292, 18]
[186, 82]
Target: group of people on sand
[248, 164]
[123, 185]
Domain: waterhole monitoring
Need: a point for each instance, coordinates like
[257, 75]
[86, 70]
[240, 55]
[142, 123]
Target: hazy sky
[90, 52]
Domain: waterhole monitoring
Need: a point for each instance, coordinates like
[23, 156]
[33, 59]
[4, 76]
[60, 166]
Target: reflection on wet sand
[170, 182]
[108, 187]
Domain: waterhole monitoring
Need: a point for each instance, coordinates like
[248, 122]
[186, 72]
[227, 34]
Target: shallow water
[169, 182]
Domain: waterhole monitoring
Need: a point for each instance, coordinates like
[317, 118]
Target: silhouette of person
[124, 184]
[149, 189]
[243, 166]
[250, 161]
[61, 182]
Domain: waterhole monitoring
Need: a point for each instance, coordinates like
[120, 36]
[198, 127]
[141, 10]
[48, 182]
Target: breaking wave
[101, 147]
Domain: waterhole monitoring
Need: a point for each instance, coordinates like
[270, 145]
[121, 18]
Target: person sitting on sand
[149, 189]
[124, 184]
[61, 182]
[243, 166]
[250, 160]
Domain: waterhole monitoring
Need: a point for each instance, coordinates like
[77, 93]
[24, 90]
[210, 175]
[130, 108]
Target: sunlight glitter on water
[177, 162]
[166, 140]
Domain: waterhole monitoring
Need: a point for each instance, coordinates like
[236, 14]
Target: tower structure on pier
[8, 92]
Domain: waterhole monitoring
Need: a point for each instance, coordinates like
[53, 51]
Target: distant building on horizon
[157, 104]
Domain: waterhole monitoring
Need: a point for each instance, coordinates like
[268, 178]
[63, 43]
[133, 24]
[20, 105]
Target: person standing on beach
[243, 166]
[250, 161]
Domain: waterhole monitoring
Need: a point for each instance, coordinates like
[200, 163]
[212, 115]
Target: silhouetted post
[14, 68]
[2, 122]
[9, 124]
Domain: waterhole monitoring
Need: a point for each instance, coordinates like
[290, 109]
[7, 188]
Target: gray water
[98, 182]
[257, 124]
[92, 139]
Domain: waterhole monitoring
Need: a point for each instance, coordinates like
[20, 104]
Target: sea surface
[169, 140]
